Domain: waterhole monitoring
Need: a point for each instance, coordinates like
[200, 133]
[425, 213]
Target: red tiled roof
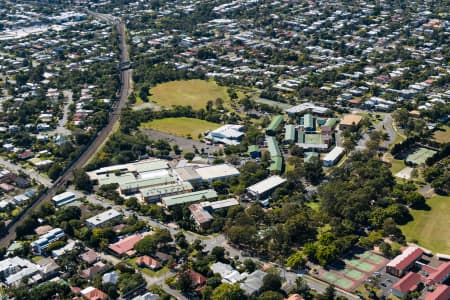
[442, 292]
[442, 271]
[197, 279]
[148, 261]
[407, 283]
[95, 294]
[409, 255]
[125, 244]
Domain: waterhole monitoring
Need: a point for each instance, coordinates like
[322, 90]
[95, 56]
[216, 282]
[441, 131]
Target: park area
[431, 228]
[195, 93]
[183, 127]
[353, 271]
[442, 135]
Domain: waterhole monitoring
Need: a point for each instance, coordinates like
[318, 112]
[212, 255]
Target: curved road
[125, 76]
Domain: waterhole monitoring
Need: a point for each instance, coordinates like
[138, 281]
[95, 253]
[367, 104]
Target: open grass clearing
[431, 228]
[184, 127]
[442, 135]
[195, 93]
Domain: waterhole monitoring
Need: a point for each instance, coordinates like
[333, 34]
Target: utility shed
[263, 189]
[289, 133]
[273, 126]
[189, 198]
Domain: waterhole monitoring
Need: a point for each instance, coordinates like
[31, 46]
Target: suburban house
[147, 262]
[92, 293]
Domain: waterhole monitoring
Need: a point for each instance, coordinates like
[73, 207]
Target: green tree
[82, 180]
[271, 282]
[146, 246]
[271, 295]
[228, 291]
[55, 171]
[184, 282]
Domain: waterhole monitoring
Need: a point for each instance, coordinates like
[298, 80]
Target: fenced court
[419, 156]
[360, 265]
[337, 280]
[372, 257]
[351, 272]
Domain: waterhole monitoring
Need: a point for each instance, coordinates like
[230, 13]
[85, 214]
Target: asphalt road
[125, 90]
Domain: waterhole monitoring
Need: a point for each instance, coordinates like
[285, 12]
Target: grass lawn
[397, 164]
[442, 136]
[184, 127]
[195, 93]
[154, 273]
[431, 228]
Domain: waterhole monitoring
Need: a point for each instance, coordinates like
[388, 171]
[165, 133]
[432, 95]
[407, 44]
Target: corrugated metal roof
[189, 197]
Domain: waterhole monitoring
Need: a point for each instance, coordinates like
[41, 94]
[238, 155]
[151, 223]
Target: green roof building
[272, 144]
[331, 122]
[290, 132]
[156, 193]
[198, 196]
[277, 164]
[273, 126]
[130, 187]
[308, 122]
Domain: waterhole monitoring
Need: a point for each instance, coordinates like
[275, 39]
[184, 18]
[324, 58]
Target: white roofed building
[227, 134]
[216, 172]
[103, 218]
[263, 189]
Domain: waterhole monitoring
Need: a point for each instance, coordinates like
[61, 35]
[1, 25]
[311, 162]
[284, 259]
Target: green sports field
[195, 93]
[431, 228]
[183, 127]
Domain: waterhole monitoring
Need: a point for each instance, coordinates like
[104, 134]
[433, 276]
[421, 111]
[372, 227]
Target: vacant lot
[184, 127]
[442, 136]
[431, 228]
[195, 93]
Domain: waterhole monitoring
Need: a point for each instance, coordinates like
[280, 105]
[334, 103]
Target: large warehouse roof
[266, 184]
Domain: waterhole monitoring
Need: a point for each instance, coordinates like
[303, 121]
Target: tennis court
[360, 265]
[353, 274]
[372, 257]
[419, 156]
[337, 280]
